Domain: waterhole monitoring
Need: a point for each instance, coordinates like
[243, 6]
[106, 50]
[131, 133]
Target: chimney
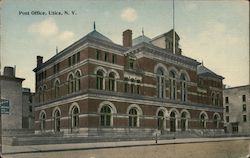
[9, 71]
[127, 38]
[39, 60]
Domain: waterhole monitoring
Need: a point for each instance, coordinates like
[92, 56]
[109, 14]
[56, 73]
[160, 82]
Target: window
[42, 121]
[105, 116]
[69, 61]
[106, 56]
[132, 86]
[138, 87]
[113, 58]
[98, 55]
[227, 118]
[244, 118]
[173, 85]
[160, 120]
[160, 83]
[40, 95]
[78, 57]
[112, 81]
[173, 122]
[213, 99]
[77, 81]
[133, 118]
[75, 117]
[71, 84]
[56, 68]
[244, 98]
[57, 88]
[183, 88]
[217, 99]
[100, 80]
[30, 109]
[227, 109]
[184, 121]
[57, 122]
[203, 121]
[226, 100]
[126, 86]
[74, 59]
[131, 63]
[216, 121]
[244, 107]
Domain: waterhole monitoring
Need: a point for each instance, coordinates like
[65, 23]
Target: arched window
[57, 122]
[203, 121]
[105, 119]
[160, 120]
[183, 88]
[216, 121]
[57, 88]
[77, 81]
[71, 83]
[183, 121]
[42, 121]
[100, 80]
[160, 83]
[75, 117]
[133, 118]
[112, 81]
[173, 86]
[126, 85]
[173, 121]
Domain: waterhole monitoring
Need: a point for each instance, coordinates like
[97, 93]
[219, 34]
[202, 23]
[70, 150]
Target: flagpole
[173, 29]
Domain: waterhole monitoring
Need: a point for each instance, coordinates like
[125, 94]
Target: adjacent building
[14, 105]
[97, 87]
[236, 109]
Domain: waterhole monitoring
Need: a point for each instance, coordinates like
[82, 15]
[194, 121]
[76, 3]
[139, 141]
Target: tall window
[226, 100]
[172, 121]
[203, 121]
[43, 93]
[160, 83]
[98, 55]
[244, 118]
[217, 99]
[78, 57]
[75, 117]
[57, 88]
[42, 121]
[112, 81]
[113, 58]
[183, 88]
[105, 116]
[173, 85]
[244, 107]
[106, 56]
[131, 64]
[227, 109]
[78, 81]
[57, 121]
[160, 120]
[100, 80]
[132, 86]
[40, 94]
[243, 98]
[216, 121]
[184, 121]
[138, 87]
[71, 83]
[133, 118]
[213, 99]
[126, 86]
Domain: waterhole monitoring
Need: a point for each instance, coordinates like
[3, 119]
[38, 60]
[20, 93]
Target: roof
[168, 34]
[205, 72]
[98, 35]
[141, 39]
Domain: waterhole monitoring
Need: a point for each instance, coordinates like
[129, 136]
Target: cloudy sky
[215, 32]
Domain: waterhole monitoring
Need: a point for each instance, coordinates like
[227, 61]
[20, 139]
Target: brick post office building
[97, 87]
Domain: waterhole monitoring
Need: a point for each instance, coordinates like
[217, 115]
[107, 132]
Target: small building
[236, 109]
[16, 102]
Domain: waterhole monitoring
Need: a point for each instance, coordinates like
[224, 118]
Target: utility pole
[173, 28]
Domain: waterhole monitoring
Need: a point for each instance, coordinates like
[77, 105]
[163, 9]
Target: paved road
[179, 148]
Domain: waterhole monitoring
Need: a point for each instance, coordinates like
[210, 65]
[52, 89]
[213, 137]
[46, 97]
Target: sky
[215, 32]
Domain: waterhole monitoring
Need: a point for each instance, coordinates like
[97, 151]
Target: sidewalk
[8, 150]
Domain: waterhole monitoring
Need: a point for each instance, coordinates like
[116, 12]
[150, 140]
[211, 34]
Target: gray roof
[141, 39]
[205, 72]
[98, 35]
